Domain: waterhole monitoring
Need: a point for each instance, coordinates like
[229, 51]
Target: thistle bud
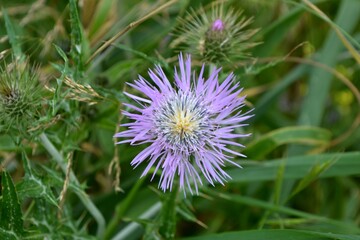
[216, 36]
[20, 97]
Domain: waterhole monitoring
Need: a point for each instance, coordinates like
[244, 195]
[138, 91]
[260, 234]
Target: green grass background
[301, 176]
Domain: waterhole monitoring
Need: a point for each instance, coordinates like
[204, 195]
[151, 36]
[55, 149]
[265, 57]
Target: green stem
[121, 208]
[85, 199]
[168, 214]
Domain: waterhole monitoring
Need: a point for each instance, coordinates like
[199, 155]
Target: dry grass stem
[66, 184]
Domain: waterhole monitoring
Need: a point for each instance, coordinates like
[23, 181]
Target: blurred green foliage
[62, 179]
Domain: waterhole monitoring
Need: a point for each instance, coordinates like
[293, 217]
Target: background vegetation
[60, 169]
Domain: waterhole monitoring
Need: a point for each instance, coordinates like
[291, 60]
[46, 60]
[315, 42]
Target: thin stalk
[84, 198]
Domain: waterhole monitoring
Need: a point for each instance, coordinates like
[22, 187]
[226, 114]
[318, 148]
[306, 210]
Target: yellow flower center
[183, 123]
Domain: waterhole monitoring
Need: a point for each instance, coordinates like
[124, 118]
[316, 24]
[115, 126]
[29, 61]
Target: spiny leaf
[7, 235]
[34, 187]
[11, 216]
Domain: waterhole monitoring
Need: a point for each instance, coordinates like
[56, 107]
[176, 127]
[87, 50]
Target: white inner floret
[182, 122]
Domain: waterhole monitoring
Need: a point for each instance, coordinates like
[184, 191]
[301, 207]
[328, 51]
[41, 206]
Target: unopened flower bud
[218, 36]
[20, 96]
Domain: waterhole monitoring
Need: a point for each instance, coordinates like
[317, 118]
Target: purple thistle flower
[218, 25]
[188, 127]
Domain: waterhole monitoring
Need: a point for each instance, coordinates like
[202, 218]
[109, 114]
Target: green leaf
[285, 234]
[7, 235]
[121, 71]
[314, 103]
[274, 34]
[13, 38]
[320, 80]
[62, 54]
[121, 208]
[346, 164]
[77, 50]
[99, 18]
[33, 187]
[143, 55]
[257, 68]
[303, 134]
[186, 213]
[334, 225]
[278, 182]
[7, 144]
[267, 100]
[11, 216]
[54, 179]
[313, 174]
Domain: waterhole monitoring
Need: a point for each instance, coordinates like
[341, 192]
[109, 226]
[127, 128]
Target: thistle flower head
[19, 96]
[216, 36]
[189, 127]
